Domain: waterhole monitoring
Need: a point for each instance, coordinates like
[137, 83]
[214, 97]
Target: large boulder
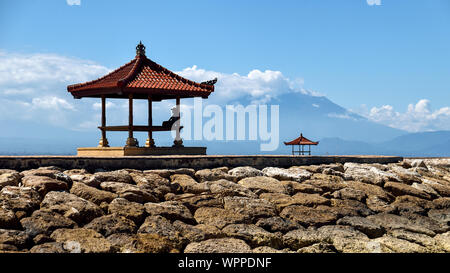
[131, 210]
[349, 208]
[21, 200]
[442, 188]
[120, 176]
[250, 207]
[167, 173]
[309, 200]
[17, 238]
[443, 240]
[9, 178]
[82, 240]
[71, 206]
[51, 172]
[441, 203]
[253, 235]
[398, 189]
[300, 238]
[295, 187]
[132, 193]
[78, 175]
[8, 219]
[280, 200]
[112, 223]
[389, 244]
[222, 245]
[440, 215]
[185, 183]
[318, 248]
[92, 194]
[369, 190]
[224, 187]
[195, 201]
[45, 222]
[366, 226]
[406, 175]
[277, 224]
[162, 227]
[350, 193]
[368, 173]
[377, 204]
[417, 238]
[307, 216]
[327, 183]
[391, 222]
[44, 184]
[171, 210]
[264, 184]
[346, 239]
[158, 185]
[213, 175]
[219, 217]
[296, 174]
[190, 232]
[49, 247]
[243, 172]
[154, 243]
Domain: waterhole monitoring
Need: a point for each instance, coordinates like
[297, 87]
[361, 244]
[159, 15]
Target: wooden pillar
[103, 141]
[178, 142]
[131, 142]
[150, 142]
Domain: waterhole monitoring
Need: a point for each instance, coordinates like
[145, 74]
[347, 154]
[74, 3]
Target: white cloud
[418, 117]
[374, 2]
[73, 2]
[257, 86]
[33, 86]
[51, 103]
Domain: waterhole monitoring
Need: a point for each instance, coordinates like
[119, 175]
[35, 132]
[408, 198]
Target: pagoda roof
[301, 140]
[142, 77]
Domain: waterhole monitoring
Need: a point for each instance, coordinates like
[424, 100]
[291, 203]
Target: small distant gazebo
[141, 78]
[301, 141]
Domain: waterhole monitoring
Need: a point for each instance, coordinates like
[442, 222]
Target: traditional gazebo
[301, 141]
[141, 78]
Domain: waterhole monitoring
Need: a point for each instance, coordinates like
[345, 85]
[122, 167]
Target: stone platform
[182, 161]
[139, 151]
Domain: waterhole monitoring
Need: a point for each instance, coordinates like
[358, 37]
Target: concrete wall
[185, 161]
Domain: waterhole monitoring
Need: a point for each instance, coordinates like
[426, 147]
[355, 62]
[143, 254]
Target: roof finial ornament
[211, 82]
[140, 49]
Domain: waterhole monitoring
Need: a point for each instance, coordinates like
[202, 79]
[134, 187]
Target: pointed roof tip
[140, 49]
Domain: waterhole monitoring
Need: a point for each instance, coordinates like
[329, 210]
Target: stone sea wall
[351, 207]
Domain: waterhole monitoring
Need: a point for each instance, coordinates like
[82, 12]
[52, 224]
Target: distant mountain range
[338, 130]
[414, 144]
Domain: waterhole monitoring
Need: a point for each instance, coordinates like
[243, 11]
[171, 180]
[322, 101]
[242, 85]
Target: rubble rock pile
[402, 207]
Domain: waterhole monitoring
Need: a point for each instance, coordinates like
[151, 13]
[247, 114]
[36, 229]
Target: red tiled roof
[301, 140]
[142, 76]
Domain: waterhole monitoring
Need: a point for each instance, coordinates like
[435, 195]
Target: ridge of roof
[133, 72]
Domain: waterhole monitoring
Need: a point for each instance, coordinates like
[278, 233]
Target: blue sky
[388, 60]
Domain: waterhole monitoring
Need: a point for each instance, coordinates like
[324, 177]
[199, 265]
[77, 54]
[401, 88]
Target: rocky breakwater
[402, 207]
